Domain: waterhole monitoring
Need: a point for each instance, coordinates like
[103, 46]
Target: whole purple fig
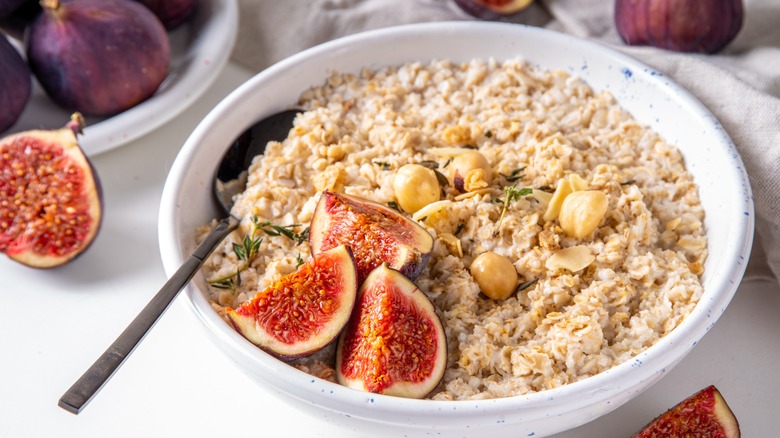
[98, 57]
[16, 83]
[680, 25]
[172, 13]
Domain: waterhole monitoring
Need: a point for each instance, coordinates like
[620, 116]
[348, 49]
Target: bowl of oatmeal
[618, 199]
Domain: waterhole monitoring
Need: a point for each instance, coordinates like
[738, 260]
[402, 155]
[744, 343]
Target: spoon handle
[104, 367]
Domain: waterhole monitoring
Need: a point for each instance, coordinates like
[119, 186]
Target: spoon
[230, 179]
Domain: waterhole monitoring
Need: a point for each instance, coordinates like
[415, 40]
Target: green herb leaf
[287, 231]
[394, 205]
[459, 229]
[515, 175]
[526, 284]
[511, 193]
[298, 261]
[628, 183]
[240, 251]
[441, 178]
[430, 164]
[382, 164]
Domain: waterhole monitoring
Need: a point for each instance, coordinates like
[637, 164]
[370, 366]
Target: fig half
[394, 343]
[51, 207]
[375, 233]
[702, 414]
[302, 312]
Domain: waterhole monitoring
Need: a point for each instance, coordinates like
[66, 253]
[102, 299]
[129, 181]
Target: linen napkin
[740, 85]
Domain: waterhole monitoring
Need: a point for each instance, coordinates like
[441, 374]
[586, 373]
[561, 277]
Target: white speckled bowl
[650, 96]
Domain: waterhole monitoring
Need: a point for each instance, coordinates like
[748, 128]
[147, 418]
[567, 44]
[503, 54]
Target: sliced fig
[702, 414]
[302, 312]
[394, 343]
[172, 13]
[375, 233]
[98, 57]
[16, 84]
[52, 205]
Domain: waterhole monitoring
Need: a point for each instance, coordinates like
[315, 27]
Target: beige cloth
[740, 85]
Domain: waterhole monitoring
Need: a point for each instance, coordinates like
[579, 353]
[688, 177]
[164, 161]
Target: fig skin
[679, 25]
[172, 13]
[302, 312]
[56, 203]
[375, 233]
[17, 84]
[705, 413]
[98, 57]
[403, 353]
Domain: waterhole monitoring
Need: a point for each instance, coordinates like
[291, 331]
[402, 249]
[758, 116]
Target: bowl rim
[587, 391]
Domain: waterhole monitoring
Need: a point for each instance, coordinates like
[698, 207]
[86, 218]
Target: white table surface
[55, 323]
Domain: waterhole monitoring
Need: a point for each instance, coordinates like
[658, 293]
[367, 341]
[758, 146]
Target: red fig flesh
[375, 233]
[304, 311]
[16, 84]
[679, 25]
[99, 57]
[394, 343]
[704, 414]
[51, 206]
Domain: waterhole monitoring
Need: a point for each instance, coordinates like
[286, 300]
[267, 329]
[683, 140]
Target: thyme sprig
[515, 175]
[284, 230]
[511, 193]
[245, 253]
[247, 249]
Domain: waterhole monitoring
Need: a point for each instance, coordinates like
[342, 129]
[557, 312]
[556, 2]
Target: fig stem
[50, 4]
[76, 123]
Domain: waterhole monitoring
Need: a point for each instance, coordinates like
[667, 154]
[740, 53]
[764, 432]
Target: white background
[55, 323]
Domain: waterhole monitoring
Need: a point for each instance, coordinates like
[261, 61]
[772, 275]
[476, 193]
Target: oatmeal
[595, 212]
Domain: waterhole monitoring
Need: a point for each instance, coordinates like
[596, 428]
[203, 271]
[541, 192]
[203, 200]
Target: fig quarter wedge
[304, 311]
[375, 233]
[394, 343]
[704, 414]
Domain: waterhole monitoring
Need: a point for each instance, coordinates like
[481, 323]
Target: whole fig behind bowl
[679, 25]
[16, 84]
[98, 57]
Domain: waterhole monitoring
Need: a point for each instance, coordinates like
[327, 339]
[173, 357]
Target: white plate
[200, 49]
